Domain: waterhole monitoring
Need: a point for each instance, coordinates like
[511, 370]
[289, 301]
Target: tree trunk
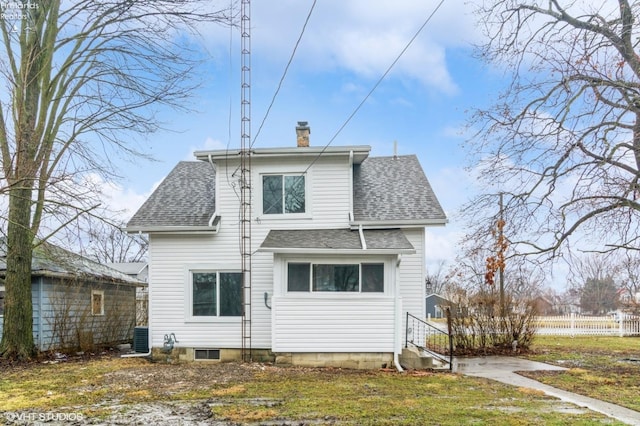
[17, 336]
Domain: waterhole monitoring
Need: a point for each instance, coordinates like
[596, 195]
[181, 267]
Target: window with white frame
[97, 302]
[1, 300]
[339, 277]
[216, 294]
[283, 194]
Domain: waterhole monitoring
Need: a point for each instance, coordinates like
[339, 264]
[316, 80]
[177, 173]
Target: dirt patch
[170, 379]
[165, 387]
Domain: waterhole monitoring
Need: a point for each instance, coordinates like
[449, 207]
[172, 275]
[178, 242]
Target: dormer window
[283, 194]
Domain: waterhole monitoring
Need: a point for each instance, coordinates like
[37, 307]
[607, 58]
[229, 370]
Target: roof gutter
[175, 229]
[324, 251]
[387, 224]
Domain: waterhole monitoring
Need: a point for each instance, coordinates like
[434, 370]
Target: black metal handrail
[429, 338]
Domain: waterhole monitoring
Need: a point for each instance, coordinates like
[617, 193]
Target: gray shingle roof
[336, 239]
[186, 197]
[51, 260]
[388, 189]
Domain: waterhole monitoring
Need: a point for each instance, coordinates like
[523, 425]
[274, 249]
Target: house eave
[84, 277]
[388, 224]
[172, 229]
[359, 152]
[324, 251]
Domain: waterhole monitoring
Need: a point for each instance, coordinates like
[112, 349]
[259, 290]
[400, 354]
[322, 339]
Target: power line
[284, 74]
[375, 86]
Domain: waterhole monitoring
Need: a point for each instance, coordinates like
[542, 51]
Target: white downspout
[215, 213]
[136, 355]
[398, 318]
[396, 362]
[363, 242]
[351, 218]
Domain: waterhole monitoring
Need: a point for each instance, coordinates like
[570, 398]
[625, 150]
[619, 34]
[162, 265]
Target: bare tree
[81, 79]
[593, 277]
[108, 243]
[563, 140]
[436, 279]
[629, 281]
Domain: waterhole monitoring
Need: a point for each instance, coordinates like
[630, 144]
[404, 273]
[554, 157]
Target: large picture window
[283, 194]
[323, 277]
[216, 294]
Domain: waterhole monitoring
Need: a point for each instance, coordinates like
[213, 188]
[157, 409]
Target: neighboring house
[629, 300]
[544, 306]
[337, 241]
[569, 303]
[77, 303]
[435, 306]
[139, 271]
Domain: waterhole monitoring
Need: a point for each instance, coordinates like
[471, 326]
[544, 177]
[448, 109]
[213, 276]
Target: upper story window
[283, 194]
[318, 277]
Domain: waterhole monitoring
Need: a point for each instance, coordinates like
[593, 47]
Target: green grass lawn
[606, 368]
[251, 394]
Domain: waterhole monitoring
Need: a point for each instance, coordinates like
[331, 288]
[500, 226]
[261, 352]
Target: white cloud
[360, 36]
[208, 144]
[441, 244]
[117, 197]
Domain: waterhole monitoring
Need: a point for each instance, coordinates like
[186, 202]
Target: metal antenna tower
[245, 177]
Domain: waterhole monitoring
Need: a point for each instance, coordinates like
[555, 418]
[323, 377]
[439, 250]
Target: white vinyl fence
[576, 325]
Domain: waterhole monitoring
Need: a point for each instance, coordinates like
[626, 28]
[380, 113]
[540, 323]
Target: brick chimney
[302, 132]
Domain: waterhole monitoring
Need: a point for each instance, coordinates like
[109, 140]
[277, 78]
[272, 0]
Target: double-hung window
[283, 194]
[216, 294]
[341, 277]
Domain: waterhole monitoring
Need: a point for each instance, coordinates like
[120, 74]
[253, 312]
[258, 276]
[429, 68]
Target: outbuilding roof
[53, 261]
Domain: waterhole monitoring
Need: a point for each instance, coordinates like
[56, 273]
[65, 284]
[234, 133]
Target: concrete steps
[413, 358]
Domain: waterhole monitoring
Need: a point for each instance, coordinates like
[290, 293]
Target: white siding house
[337, 242]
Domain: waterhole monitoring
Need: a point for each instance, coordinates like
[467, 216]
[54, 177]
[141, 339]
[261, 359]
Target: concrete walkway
[502, 370]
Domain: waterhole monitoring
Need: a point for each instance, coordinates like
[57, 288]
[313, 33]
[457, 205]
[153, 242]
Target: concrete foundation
[353, 360]
[179, 354]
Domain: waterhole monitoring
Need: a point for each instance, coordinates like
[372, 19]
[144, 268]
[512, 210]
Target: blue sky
[422, 104]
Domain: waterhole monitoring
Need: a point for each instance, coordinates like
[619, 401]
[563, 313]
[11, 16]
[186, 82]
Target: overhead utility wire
[376, 85]
[284, 74]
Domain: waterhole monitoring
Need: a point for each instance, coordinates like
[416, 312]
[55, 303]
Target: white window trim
[286, 216]
[322, 261]
[189, 317]
[101, 293]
